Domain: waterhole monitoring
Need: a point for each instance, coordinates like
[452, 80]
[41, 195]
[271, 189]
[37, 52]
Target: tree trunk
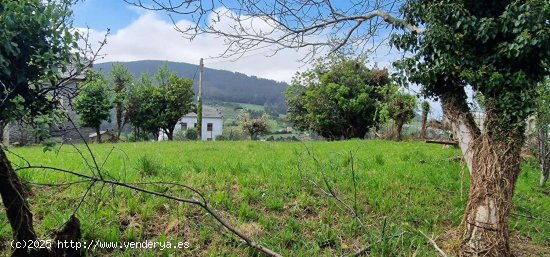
[493, 178]
[424, 123]
[543, 153]
[463, 126]
[170, 134]
[98, 134]
[17, 208]
[398, 129]
[119, 119]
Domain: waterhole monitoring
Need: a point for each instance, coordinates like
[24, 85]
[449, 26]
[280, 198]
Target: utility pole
[199, 103]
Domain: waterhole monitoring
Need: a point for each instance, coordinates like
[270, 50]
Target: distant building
[21, 133]
[212, 123]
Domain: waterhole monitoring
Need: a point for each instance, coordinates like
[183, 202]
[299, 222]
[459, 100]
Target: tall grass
[399, 189]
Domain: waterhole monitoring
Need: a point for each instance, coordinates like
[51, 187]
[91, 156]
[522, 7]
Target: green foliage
[121, 79]
[337, 98]
[37, 43]
[94, 101]
[159, 107]
[397, 106]
[253, 126]
[140, 106]
[191, 134]
[500, 48]
[425, 107]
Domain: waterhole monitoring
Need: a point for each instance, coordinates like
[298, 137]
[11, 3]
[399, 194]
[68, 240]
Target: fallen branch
[203, 204]
[434, 244]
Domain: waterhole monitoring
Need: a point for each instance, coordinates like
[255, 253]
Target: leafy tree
[37, 43]
[153, 108]
[141, 104]
[397, 106]
[173, 97]
[121, 79]
[337, 98]
[177, 100]
[94, 103]
[425, 111]
[500, 48]
[253, 126]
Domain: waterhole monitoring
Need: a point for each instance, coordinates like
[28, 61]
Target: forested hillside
[219, 85]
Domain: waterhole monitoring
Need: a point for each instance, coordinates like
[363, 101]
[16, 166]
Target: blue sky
[102, 14]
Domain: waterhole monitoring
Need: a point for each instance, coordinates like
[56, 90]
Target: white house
[212, 123]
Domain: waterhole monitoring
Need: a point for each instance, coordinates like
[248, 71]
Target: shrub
[191, 134]
[180, 135]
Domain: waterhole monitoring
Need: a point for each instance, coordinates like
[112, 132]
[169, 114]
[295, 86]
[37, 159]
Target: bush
[191, 134]
[180, 135]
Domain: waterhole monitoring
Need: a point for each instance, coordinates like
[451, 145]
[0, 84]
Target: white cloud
[152, 38]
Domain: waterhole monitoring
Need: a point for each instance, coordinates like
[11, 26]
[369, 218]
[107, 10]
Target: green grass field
[266, 190]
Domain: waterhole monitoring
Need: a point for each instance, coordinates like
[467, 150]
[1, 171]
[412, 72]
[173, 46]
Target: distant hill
[218, 85]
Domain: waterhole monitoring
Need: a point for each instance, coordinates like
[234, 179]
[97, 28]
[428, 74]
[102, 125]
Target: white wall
[217, 127]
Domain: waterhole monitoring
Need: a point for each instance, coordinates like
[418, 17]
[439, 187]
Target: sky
[138, 34]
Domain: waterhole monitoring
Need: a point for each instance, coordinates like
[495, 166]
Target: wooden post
[199, 103]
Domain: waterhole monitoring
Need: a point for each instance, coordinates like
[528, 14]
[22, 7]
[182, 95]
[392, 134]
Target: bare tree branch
[321, 26]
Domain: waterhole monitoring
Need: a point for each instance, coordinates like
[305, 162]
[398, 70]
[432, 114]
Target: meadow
[275, 192]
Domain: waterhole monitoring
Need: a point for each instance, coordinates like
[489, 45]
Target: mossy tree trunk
[495, 171]
[493, 159]
[15, 203]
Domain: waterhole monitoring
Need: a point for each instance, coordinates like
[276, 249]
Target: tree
[497, 47]
[542, 130]
[159, 107]
[425, 111]
[177, 101]
[173, 98]
[397, 106]
[253, 126]
[37, 45]
[94, 103]
[337, 99]
[121, 79]
[141, 104]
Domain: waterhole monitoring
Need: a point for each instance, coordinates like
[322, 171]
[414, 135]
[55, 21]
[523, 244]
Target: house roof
[207, 112]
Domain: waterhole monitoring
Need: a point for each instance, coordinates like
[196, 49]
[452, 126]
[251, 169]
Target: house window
[194, 125]
[209, 127]
[183, 125]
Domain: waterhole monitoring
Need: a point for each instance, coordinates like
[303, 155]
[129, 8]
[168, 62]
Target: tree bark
[424, 123]
[170, 134]
[493, 159]
[398, 129]
[119, 119]
[463, 126]
[17, 208]
[543, 153]
[492, 184]
[98, 134]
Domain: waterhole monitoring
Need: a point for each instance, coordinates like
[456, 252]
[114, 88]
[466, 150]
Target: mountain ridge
[218, 85]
